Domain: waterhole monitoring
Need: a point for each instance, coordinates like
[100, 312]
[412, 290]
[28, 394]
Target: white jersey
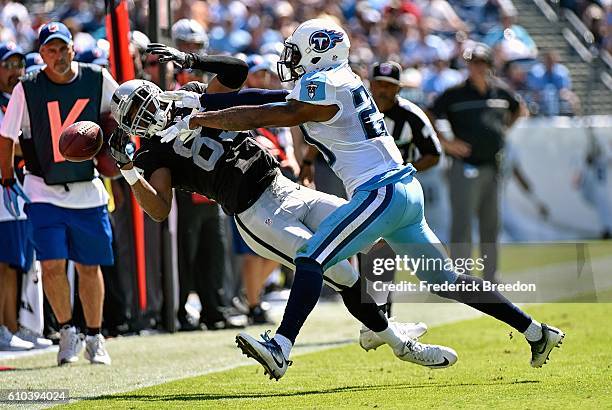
[355, 142]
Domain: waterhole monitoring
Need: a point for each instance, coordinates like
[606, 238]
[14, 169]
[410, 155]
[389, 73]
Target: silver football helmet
[137, 109]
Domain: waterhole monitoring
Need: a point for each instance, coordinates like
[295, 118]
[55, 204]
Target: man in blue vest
[68, 201]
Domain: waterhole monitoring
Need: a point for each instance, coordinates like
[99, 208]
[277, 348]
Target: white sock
[390, 337]
[284, 343]
[534, 331]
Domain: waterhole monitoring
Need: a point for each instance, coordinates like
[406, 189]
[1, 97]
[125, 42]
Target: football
[81, 141]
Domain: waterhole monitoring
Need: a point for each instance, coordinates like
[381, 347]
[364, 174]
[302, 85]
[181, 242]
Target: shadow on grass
[330, 343]
[257, 395]
[28, 369]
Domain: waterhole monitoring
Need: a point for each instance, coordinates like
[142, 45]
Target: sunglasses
[12, 65]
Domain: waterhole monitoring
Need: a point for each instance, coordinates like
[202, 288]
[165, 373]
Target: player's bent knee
[341, 275]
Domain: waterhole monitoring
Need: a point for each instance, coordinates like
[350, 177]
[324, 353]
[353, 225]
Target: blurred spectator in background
[422, 47]
[592, 181]
[94, 55]
[508, 31]
[189, 37]
[551, 84]
[411, 82]
[33, 61]
[480, 110]
[440, 77]
[138, 44]
[14, 252]
[442, 17]
[17, 24]
[515, 76]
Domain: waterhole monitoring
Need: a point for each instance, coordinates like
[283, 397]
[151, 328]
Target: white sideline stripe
[350, 228]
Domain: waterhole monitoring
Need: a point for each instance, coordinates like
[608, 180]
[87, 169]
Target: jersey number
[207, 163]
[371, 119]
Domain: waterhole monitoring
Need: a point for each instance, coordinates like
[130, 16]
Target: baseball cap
[93, 55]
[478, 52]
[33, 62]
[52, 31]
[388, 71]
[10, 49]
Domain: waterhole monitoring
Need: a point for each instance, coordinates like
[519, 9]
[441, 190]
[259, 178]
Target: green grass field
[492, 372]
[206, 370]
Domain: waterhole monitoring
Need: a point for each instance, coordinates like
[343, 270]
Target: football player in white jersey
[340, 118]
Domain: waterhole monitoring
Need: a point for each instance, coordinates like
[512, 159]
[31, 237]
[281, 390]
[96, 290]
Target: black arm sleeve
[231, 71]
[247, 96]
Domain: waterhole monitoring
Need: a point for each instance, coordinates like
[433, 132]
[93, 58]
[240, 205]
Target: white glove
[182, 99]
[179, 129]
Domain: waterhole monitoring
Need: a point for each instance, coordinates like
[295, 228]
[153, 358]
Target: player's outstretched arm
[155, 195]
[230, 72]
[285, 114]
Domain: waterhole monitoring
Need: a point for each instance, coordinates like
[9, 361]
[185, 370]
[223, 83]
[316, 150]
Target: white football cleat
[540, 350]
[369, 340]
[11, 342]
[267, 352]
[432, 356]
[34, 338]
[95, 351]
[70, 345]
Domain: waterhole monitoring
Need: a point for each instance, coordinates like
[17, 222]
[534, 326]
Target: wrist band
[131, 175]
[307, 161]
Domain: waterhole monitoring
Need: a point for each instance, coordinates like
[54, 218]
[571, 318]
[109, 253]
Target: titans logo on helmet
[312, 89]
[323, 40]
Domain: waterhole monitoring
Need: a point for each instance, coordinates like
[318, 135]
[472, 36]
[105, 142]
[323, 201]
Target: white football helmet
[316, 44]
[137, 109]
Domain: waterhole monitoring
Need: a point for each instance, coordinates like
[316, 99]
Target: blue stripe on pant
[393, 212]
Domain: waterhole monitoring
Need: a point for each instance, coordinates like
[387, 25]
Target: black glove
[121, 146]
[166, 53]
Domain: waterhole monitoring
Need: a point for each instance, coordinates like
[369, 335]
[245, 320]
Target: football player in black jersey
[275, 216]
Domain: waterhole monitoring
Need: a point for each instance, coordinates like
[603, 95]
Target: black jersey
[227, 166]
[411, 129]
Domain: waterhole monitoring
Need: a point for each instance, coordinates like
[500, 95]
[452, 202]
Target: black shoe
[540, 350]
[259, 316]
[190, 327]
